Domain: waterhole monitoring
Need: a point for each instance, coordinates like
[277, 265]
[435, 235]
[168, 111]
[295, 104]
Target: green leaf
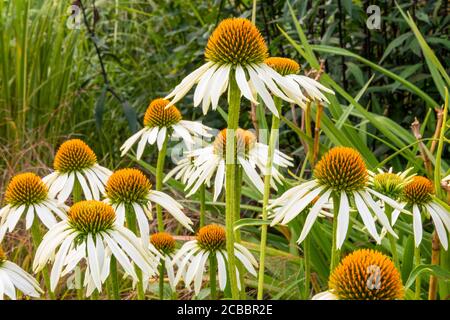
[427, 268]
[245, 222]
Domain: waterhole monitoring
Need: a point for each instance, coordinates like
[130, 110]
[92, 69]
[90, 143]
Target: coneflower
[210, 243]
[340, 175]
[161, 122]
[364, 275]
[75, 163]
[91, 233]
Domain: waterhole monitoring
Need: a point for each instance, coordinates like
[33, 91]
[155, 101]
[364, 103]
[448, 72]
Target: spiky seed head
[245, 140]
[158, 116]
[236, 41]
[74, 155]
[342, 169]
[211, 238]
[128, 186]
[91, 217]
[26, 189]
[163, 242]
[366, 275]
[419, 191]
[283, 66]
[389, 184]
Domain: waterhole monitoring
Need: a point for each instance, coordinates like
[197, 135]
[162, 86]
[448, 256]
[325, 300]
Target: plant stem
[36, 235]
[267, 178]
[212, 276]
[131, 223]
[307, 262]
[418, 280]
[161, 280]
[76, 197]
[435, 254]
[237, 233]
[392, 241]
[114, 279]
[202, 205]
[335, 253]
[234, 101]
[159, 180]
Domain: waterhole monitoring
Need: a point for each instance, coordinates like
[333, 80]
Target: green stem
[76, 197]
[267, 178]
[202, 205]
[392, 241]
[36, 235]
[335, 253]
[307, 261]
[159, 180]
[237, 233]
[418, 280]
[161, 280]
[131, 223]
[234, 102]
[212, 276]
[114, 279]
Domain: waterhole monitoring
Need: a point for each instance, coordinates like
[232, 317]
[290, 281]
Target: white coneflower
[27, 195]
[75, 161]
[340, 173]
[160, 121]
[210, 241]
[130, 187]
[364, 275]
[290, 69]
[164, 244]
[200, 165]
[418, 197]
[91, 233]
[237, 49]
[13, 278]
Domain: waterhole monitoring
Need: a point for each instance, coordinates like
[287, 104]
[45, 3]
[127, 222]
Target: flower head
[163, 242]
[236, 41]
[91, 217]
[388, 183]
[342, 168]
[91, 234]
[26, 189]
[418, 191]
[130, 188]
[283, 66]
[74, 155]
[162, 121]
[366, 275]
[210, 242]
[340, 172]
[211, 238]
[26, 194]
[251, 155]
[157, 115]
[237, 52]
[75, 162]
[2, 255]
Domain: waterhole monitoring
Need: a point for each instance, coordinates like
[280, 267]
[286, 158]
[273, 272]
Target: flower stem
[114, 279]
[234, 101]
[159, 181]
[392, 241]
[161, 280]
[335, 252]
[37, 238]
[435, 255]
[267, 178]
[212, 276]
[418, 280]
[131, 224]
[307, 262]
[237, 233]
[76, 197]
[202, 205]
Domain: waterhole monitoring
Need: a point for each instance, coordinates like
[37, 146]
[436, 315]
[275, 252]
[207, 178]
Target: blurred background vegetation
[95, 82]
